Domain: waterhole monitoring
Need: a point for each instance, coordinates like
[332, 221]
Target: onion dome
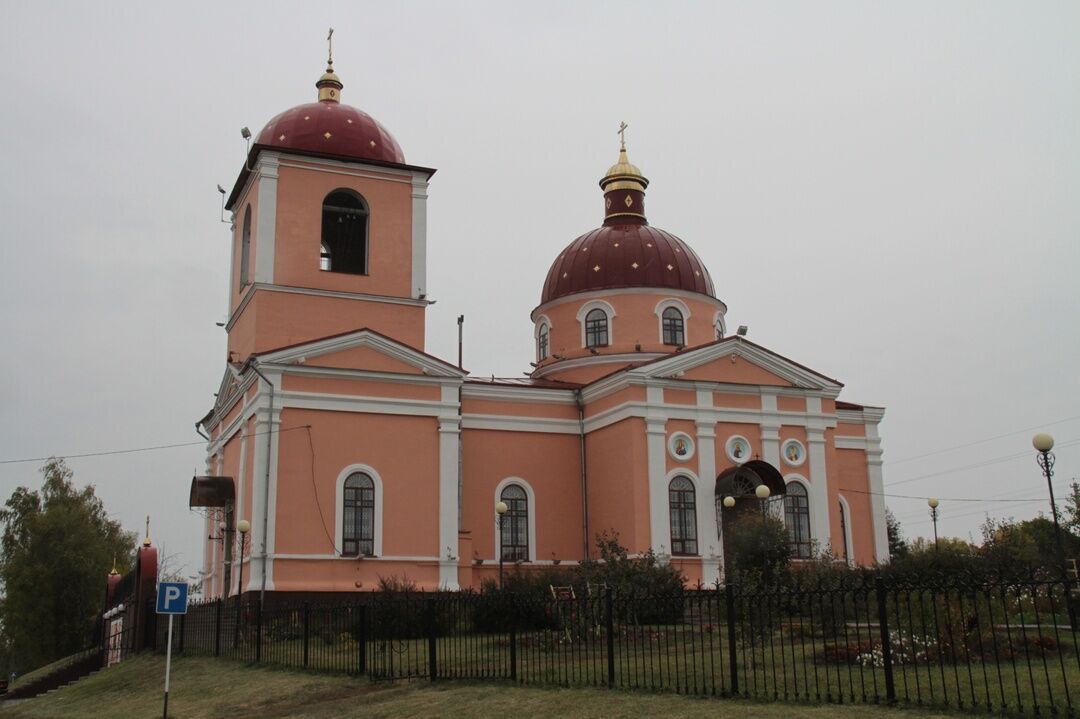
[626, 251]
[329, 129]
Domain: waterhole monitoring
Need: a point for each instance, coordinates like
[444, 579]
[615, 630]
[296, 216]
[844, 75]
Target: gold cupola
[624, 189]
[329, 84]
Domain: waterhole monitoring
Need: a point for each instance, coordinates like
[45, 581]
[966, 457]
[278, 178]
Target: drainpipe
[584, 476]
[198, 431]
[266, 495]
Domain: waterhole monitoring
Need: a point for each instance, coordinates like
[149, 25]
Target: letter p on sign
[172, 598]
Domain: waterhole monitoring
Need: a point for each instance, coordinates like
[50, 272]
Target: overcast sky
[887, 193]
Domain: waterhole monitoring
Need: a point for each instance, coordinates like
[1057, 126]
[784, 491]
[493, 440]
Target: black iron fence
[972, 644]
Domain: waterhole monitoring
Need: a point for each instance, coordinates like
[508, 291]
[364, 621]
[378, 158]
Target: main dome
[626, 251]
[626, 255]
[328, 128]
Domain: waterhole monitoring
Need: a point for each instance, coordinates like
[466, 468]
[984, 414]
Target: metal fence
[984, 645]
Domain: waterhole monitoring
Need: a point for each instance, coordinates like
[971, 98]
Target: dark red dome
[626, 255]
[328, 128]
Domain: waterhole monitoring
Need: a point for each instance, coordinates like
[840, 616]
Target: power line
[153, 448]
[977, 465]
[980, 441]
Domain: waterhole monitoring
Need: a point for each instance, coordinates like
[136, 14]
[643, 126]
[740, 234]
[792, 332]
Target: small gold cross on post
[622, 135]
[330, 47]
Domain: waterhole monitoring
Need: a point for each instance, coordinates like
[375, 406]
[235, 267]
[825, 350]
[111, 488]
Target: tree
[898, 546]
[758, 545]
[57, 547]
[1070, 516]
[1017, 547]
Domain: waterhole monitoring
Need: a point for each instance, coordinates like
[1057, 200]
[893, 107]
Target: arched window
[514, 539]
[344, 246]
[719, 329]
[358, 526]
[542, 343]
[797, 519]
[674, 332]
[245, 249]
[683, 508]
[596, 328]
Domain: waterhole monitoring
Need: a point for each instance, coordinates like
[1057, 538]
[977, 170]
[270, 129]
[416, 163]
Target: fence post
[307, 627]
[433, 667]
[733, 653]
[217, 629]
[361, 637]
[513, 650]
[886, 641]
[258, 634]
[609, 621]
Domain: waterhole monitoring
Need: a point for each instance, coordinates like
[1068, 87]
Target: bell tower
[329, 230]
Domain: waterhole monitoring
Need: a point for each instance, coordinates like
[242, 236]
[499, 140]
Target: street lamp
[500, 510]
[1043, 443]
[933, 504]
[243, 526]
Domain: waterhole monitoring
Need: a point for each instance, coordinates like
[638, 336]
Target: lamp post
[222, 537]
[500, 510]
[243, 526]
[933, 504]
[1043, 443]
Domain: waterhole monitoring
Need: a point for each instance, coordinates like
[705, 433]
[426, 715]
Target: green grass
[43, 671]
[696, 661]
[203, 687]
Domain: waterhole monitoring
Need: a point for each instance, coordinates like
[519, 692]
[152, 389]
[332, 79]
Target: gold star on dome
[585, 249]
[565, 275]
[281, 136]
[372, 143]
[307, 117]
[697, 272]
[348, 120]
[596, 269]
[677, 249]
[616, 244]
[648, 244]
[670, 268]
[634, 265]
[327, 135]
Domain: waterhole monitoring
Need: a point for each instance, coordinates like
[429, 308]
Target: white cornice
[364, 339]
[313, 292]
[501, 393]
[506, 423]
[581, 297]
[352, 169]
[364, 375]
[591, 360]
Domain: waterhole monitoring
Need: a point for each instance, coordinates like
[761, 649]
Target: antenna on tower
[222, 191]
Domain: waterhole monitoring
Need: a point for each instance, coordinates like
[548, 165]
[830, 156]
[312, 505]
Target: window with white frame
[542, 339]
[358, 516]
[673, 327]
[797, 519]
[514, 525]
[596, 328]
[683, 508]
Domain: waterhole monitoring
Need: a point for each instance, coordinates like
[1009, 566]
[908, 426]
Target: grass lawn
[215, 688]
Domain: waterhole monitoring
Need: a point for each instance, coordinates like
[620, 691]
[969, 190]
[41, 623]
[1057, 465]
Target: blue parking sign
[172, 598]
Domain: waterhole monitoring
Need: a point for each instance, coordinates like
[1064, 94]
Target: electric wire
[895, 462]
[979, 465]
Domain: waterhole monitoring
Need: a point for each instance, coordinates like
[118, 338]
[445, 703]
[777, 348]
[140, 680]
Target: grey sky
[886, 193]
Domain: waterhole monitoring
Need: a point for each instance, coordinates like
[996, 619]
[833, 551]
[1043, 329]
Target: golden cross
[330, 46]
[148, 526]
[622, 135]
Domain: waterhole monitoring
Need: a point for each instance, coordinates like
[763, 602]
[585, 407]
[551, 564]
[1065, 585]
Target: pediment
[738, 361]
[363, 350]
[230, 385]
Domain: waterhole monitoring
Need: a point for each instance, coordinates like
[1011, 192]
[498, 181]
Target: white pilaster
[770, 442]
[820, 529]
[449, 431]
[659, 519]
[419, 235]
[260, 541]
[709, 537]
[266, 220]
[876, 488]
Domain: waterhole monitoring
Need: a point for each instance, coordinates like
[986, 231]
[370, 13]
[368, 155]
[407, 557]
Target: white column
[449, 431]
[419, 235]
[876, 488]
[659, 519]
[708, 530]
[820, 529]
[260, 541]
[266, 219]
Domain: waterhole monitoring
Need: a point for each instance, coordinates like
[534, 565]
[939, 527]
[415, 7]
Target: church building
[340, 452]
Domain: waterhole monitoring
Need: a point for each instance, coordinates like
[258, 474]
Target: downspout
[266, 494]
[198, 431]
[584, 476]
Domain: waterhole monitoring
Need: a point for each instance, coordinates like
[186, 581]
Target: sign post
[172, 600]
